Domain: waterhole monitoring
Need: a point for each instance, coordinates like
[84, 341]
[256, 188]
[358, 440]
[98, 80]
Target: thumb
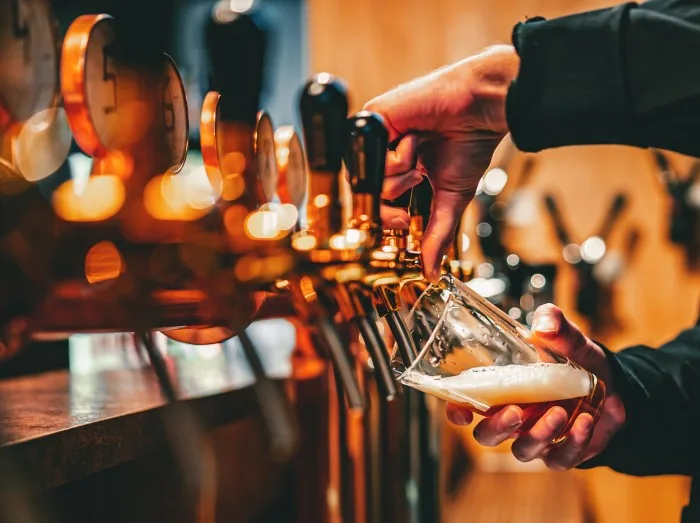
[446, 214]
[552, 327]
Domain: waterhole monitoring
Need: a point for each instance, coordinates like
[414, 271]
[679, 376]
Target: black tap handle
[618, 205]
[365, 153]
[236, 47]
[324, 110]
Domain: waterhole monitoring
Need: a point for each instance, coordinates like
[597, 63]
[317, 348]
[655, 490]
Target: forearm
[623, 75]
[660, 389]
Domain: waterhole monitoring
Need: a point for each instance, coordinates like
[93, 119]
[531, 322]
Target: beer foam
[495, 385]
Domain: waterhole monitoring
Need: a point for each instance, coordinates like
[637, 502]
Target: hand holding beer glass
[546, 388]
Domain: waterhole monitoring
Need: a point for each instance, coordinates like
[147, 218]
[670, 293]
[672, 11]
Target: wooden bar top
[65, 427]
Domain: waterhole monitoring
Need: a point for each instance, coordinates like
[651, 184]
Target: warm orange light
[287, 214]
[233, 187]
[198, 190]
[304, 243]
[116, 163]
[282, 157]
[234, 218]
[248, 268]
[103, 262]
[233, 162]
[165, 198]
[263, 225]
[321, 200]
[350, 239]
[101, 198]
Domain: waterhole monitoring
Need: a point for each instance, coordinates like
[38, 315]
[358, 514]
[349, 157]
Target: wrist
[493, 70]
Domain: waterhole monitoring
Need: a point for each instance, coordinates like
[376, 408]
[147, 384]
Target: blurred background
[601, 231]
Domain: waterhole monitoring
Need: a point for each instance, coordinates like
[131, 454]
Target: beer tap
[322, 245]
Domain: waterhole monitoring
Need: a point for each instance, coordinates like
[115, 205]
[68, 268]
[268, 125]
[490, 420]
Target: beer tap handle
[618, 205]
[273, 406]
[236, 47]
[324, 110]
[365, 158]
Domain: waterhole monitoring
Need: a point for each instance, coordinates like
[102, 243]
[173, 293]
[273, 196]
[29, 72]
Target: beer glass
[471, 353]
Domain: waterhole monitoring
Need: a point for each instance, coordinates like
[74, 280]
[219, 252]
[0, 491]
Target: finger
[394, 218]
[569, 454]
[499, 427]
[550, 324]
[397, 185]
[446, 215]
[458, 415]
[403, 158]
[532, 444]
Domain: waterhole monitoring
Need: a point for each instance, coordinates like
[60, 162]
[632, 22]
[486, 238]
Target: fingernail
[512, 418]
[545, 323]
[458, 418]
[585, 423]
[556, 421]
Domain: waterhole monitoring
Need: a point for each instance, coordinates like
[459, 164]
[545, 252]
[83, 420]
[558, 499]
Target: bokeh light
[101, 197]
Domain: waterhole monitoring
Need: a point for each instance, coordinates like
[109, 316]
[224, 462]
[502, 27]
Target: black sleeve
[626, 75]
[660, 389]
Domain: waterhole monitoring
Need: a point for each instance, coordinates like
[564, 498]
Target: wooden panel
[376, 45]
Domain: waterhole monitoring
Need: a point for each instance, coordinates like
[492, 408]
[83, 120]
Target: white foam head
[494, 385]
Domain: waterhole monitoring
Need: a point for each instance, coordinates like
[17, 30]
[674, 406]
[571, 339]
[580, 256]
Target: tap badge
[266, 155]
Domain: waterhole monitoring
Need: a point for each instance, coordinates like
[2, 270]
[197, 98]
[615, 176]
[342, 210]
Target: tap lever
[365, 158]
[160, 368]
[273, 407]
[342, 362]
[362, 314]
[404, 341]
[324, 109]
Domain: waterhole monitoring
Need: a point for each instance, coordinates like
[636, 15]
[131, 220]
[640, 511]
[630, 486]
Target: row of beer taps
[138, 247]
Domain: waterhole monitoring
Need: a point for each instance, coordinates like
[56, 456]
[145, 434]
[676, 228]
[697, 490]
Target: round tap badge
[174, 115]
[28, 60]
[293, 175]
[89, 83]
[266, 156]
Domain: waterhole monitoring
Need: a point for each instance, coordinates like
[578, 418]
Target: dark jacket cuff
[571, 85]
[631, 393]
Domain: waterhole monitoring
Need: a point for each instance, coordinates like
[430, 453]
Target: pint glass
[473, 354]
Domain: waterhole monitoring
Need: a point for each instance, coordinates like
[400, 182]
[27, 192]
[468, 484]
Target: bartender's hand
[584, 440]
[450, 121]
